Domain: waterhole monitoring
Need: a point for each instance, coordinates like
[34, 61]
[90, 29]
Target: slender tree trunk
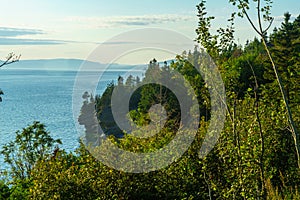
[262, 33]
[292, 124]
[262, 138]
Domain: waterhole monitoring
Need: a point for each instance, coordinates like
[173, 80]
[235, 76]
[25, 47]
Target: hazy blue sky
[72, 29]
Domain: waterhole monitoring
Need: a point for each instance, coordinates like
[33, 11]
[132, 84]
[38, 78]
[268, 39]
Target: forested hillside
[255, 156]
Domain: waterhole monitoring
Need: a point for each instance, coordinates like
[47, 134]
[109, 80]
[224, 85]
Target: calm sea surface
[45, 96]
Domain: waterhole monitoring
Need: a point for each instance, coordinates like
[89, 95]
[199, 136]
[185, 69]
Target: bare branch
[11, 58]
[250, 20]
[259, 17]
[271, 22]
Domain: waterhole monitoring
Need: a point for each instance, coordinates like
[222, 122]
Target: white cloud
[13, 32]
[127, 21]
[281, 18]
[13, 36]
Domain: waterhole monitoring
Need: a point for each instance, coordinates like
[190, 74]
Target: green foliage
[64, 177]
[4, 190]
[30, 145]
[285, 47]
[215, 44]
[82, 177]
[253, 152]
[256, 144]
[20, 189]
[255, 157]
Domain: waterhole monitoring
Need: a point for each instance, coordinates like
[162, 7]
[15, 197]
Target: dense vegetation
[254, 158]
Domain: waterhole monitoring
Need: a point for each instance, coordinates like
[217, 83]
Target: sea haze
[41, 90]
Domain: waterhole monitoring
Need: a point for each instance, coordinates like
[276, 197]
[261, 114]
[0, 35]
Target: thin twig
[271, 22]
[11, 58]
[249, 19]
[259, 17]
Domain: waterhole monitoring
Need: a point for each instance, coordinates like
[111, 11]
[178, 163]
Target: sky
[73, 29]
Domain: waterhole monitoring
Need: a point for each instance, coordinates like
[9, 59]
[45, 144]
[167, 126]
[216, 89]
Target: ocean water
[45, 96]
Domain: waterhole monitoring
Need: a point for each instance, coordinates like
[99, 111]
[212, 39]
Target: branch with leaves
[264, 14]
[214, 44]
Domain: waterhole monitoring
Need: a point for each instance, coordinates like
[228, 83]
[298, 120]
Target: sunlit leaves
[30, 145]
